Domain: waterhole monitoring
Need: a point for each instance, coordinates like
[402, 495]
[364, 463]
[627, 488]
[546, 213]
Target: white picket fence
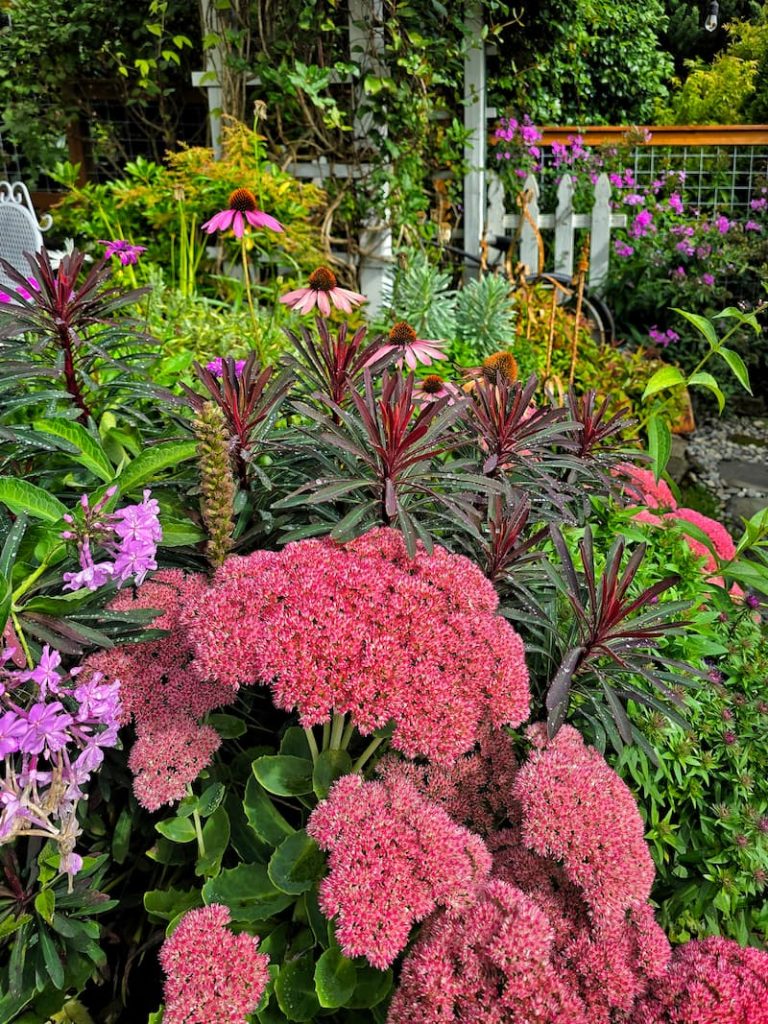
[564, 221]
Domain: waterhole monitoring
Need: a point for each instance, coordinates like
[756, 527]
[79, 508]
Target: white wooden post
[475, 123]
[495, 218]
[529, 242]
[210, 80]
[564, 234]
[600, 228]
[366, 44]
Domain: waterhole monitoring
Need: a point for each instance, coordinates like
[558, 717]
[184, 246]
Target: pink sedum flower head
[409, 348]
[241, 208]
[578, 811]
[125, 251]
[322, 291]
[394, 856]
[362, 629]
[168, 756]
[212, 975]
[709, 982]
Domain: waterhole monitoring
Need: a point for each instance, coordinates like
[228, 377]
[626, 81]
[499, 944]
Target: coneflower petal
[340, 301]
[259, 219]
[323, 303]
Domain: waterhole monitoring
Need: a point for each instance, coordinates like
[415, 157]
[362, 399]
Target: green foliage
[421, 293]
[585, 62]
[485, 314]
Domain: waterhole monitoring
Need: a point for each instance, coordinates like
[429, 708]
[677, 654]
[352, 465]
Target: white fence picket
[565, 223]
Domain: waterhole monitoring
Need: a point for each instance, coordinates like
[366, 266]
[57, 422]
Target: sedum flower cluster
[211, 974]
[54, 728]
[362, 629]
[129, 537]
[161, 692]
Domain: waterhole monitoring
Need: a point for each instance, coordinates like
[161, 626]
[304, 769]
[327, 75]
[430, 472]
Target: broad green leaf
[737, 314]
[45, 904]
[330, 765]
[295, 989]
[229, 727]
[372, 988]
[178, 830]
[21, 496]
[210, 799]
[89, 451]
[736, 363]
[702, 325]
[248, 892]
[145, 467]
[51, 958]
[659, 444]
[11, 546]
[283, 774]
[165, 904]
[296, 864]
[179, 532]
[295, 742]
[666, 377]
[121, 837]
[335, 979]
[9, 924]
[263, 817]
[706, 380]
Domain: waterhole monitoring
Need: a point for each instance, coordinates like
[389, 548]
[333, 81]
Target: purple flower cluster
[54, 728]
[216, 367]
[125, 251]
[129, 536]
[662, 338]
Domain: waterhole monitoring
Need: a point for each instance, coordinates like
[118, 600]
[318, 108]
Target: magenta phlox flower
[641, 224]
[241, 208]
[708, 280]
[13, 728]
[622, 249]
[752, 225]
[45, 674]
[758, 204]
[409, 348]
[634, 199]
[125, 251]
[676, 203]
[722, 224]
[323, 290]
[47, 728]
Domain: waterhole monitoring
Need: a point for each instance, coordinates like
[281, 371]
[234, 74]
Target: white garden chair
[20, 230]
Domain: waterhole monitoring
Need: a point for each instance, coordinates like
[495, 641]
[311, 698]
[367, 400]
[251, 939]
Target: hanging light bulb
[711, 23]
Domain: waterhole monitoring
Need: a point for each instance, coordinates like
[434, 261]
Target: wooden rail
[666, 134]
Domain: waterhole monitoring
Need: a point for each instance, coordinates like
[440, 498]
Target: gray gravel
[730, 458]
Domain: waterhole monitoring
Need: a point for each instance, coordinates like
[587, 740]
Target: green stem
[22, 639]
[337, 729]
[369, 751]
[326, 734]
[249, 297]
[29, 582]
[348, 732]
[312, 745]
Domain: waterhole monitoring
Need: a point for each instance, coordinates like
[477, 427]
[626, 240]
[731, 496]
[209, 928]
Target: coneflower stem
[312, 745]
[249, 297]
[369, 751]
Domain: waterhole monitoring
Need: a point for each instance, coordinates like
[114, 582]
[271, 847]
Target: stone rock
[740, 507]
[678, 464]
[737, 473]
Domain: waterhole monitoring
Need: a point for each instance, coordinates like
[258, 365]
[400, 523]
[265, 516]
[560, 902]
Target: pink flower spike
[322, 291]
[241, 207]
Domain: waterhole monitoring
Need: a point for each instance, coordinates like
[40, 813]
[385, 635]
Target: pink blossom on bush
[489, 963]
[709, 982]
[160, 690]
[167, 756]
[577, 810]
[211, 974]
[644, 489]
[393, 857]
[361, 629]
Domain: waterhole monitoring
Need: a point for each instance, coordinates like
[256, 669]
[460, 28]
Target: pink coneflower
[125, 251]
[241, 204]
[433, 387]
[322, 291]
[403, 340]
